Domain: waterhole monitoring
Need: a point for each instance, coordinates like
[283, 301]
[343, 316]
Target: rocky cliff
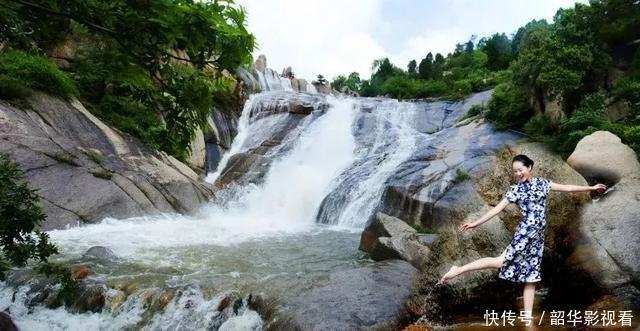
[86, 171]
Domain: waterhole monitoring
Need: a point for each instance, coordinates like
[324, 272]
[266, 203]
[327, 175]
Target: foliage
[400, 87]
[20, 71]
[20, 218]
[508, 107]
[425, 69]
[149, 68]
[461, 176]
[70, 288]
[569, 60]
[351, 82]
[632, 137]
[589, 117]
[629, 89]
[498, 50]
[411, 68]
[474, 111]
[11, 88]
[540, 128]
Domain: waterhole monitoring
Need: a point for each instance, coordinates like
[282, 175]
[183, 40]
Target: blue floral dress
[523, 256]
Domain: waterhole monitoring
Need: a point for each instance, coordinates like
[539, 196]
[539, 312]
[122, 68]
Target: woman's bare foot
[450, 274]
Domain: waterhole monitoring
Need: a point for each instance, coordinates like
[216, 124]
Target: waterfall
[385, 138]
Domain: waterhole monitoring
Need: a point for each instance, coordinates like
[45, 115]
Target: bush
[400, 87]
[20, 218]
[34, 72]
[132, 116]
[461, 89]
[431, 88]
[629, 89]
[508, 107]
[631, 137]
[461, 176]
[539, 128]
[591, 116]
[11, 88]
[474, 111]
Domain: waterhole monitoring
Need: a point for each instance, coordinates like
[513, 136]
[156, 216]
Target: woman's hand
[467, 226]
[598, 187]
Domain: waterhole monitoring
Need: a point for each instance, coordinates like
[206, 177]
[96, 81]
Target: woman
[520, 261]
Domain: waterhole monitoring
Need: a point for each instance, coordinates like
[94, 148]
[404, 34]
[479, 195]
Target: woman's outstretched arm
[490, 214]
[576, 188]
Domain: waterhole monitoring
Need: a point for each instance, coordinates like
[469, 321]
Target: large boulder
[608, 246]
[365, 298]
[251, 85]
[388, 237]
[322, 88]
[6, 323]
[222, 129]
[261, 63]
[197, 156]
[86, 171]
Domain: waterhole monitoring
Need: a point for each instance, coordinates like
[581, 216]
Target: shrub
[400, 87]
[461, 176]
[11, 88]
[631, 137]
[461, 89]
[508, 107]
[540, 128]
[35, 72]
[590, 116]
[431, 88]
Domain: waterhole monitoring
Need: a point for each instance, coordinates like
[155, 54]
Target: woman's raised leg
[483, 263]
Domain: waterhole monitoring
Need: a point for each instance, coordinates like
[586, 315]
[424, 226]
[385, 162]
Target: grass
[21, 72]
[102, 173]
[63, 158]
[95, 156]
[461, 176]
[422, 229]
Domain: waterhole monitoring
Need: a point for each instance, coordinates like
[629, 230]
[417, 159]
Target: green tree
[339, 82]
[126, 61]
[383, 69]
[523, 31]
[438, 66]
[20, 219]
[498, 50]
[425, 69]
[411, 67]
[400, 87]
[352, 82]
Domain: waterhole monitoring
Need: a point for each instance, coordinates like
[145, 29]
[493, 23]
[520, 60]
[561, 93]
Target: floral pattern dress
[523, 256]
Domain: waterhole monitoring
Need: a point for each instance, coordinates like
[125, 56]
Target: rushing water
[279, 238]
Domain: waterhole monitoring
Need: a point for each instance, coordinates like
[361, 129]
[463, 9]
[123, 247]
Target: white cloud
[315, 36]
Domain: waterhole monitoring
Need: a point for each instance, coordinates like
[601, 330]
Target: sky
[332, 37]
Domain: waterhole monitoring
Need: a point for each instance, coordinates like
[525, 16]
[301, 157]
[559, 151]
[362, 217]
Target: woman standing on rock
[520, 261]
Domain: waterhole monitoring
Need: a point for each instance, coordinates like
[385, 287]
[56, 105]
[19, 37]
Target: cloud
[326, 37]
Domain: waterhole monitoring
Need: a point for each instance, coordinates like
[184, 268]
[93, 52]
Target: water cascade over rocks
[304, 175]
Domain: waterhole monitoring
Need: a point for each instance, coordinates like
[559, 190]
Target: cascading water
[326, 167]
[386, 138]
[270, 81]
